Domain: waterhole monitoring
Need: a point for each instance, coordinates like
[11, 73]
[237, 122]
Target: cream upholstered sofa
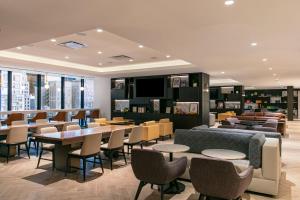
[261, 152]
[150, 131]
[165, 127]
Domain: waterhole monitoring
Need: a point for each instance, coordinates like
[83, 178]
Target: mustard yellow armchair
[165, 127]
[101, 121]
[224, 116]
[150, 131]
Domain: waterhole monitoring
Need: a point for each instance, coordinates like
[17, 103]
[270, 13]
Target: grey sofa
[262, 150]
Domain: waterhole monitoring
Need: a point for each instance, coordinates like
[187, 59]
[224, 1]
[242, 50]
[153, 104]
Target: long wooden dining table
[64, 139]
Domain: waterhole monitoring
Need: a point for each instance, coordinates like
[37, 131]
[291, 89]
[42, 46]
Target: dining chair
[60, 116]
[47, 147]
[135, 138]
[39, 115]
[93, 114]
[93, 125]
[81, 116]
[115, 144]
[16, 136]
[41, 121]
[90, 148]
[13, 117]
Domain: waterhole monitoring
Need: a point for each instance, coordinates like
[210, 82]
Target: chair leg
[8, 152]
[53, 159]
[94, 164]
[18, 150]
[101, 163]
[84, 168]
[39, 160]
[141, 145]
[37, 148]
[27, 149]
[110, 159]
[124, 155]
[201, 197]
[161, 192]
[141, 185]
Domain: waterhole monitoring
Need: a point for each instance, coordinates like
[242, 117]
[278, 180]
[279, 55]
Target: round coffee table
[172, 148]
[225, 154]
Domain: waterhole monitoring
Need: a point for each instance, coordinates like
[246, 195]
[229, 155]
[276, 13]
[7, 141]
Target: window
[51, 92]
[88, 93]
[4, 90]
[24, 91]
[72, 92]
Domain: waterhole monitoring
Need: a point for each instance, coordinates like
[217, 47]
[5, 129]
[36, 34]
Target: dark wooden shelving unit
[232, 100]
[193, 88]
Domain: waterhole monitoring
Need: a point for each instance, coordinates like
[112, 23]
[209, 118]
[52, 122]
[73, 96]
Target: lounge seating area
[150, 100]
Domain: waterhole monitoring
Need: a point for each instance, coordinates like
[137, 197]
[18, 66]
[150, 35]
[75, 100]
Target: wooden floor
[20, 180]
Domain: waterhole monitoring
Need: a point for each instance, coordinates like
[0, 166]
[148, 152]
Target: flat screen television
[150, 87]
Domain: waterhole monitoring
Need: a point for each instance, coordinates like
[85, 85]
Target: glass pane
[4, 90]
[88, 93]
[72, 92]
[51, 92]
[24, 91]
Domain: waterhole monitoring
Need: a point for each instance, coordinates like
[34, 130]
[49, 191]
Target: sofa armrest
[271, 160]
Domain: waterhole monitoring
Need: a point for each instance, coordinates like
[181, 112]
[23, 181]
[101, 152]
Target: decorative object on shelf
[194, 108]
[184, 81]
[120, 84]
[156, 106]
[220, 105]
[134, 109]
[168, 110]
[232, 105]
[121, 105]
[141, 109]
[126, 110]
[176, 82]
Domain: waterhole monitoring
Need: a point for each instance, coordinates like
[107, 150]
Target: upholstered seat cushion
[48, 147]
[104, 146]
[126, 141]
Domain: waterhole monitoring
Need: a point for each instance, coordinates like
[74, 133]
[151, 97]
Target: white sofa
[265, 179]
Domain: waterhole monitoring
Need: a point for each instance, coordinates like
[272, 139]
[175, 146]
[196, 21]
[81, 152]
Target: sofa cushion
[165, 120]
[149, 123]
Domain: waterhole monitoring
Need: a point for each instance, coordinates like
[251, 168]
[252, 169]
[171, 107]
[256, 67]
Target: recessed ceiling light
[265, 59]
[253, 44]
[274, 74]
[168, 56]
[222, 72]
[229, 2]
[130, 60]
[53, 40]
[19, 48]
[67, 57]
[270, 68]
[141, 46]
[99, 30]
[99, 52]
[99, 64]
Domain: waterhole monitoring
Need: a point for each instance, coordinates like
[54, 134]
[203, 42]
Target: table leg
[61, 152]
[171, 157]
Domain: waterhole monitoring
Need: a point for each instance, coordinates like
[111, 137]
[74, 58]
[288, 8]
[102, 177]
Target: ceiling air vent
[73, 45]
[121, 57]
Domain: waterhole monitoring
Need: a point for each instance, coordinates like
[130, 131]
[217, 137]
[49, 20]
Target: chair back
[148, 165]
[17, 135]
[116, 139]
[39, 115]
[41, 121]
[41, 126]
[214, 177]
[73, 127]
[91, 144]
[14, 117]
[93, 125]
[80, 115]
[48, 130]
[60, 116]
[18, 123]
[95, 113]
[136, 135]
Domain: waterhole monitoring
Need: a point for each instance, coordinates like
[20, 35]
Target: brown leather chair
[80, 116]
[13, 117]
[218, 178]
[39, 115]
[94, 114]
[60, 116]
[150, 166]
